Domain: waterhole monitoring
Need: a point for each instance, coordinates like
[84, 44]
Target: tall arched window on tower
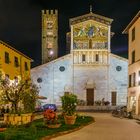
[97, 57]
[83, 57]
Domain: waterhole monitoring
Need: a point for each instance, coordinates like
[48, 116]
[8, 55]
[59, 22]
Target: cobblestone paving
[106, 127]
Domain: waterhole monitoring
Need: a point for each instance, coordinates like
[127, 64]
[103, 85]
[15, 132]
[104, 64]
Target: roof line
[91, 14]
[125, 31]
[7, 45]
[51, 62]
[120, 57]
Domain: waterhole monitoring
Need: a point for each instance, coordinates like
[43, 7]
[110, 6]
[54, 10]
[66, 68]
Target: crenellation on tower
[56, 12]
[49, 35]
[50, 12]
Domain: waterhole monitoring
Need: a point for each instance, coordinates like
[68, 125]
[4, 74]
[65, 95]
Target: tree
[29, 98]
[23, 94]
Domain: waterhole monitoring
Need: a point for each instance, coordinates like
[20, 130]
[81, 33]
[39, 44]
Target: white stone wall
[104, 78]
[119, 79]
[96, 74]
[54, 82]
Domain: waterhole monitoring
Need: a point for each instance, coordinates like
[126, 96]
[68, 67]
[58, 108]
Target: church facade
[90, 70]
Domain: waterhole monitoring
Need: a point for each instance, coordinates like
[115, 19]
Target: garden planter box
[15, 119]
[26, 118]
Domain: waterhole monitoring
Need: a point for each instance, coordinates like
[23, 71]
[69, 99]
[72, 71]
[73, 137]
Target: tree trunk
[15, 107]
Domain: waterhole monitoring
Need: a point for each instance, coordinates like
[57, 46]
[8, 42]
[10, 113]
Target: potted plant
[98, 102]
[21, 97]
[69, 103]
[2, 127]
[106, 103]
[81, 102]
[51, 119]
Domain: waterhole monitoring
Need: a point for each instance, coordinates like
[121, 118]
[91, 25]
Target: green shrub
[69, 103]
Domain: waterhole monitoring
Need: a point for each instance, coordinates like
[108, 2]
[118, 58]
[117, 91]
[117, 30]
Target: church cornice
[90, 50]
[119, 57]
[91, 64]
[90, 16]
[52, 62]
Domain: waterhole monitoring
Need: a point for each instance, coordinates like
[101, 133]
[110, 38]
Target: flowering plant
[69, 103]
[50, 117]
[98, 102]
[106, 103]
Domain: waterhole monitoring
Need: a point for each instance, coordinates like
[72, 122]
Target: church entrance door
[90, 96]
[113, 100]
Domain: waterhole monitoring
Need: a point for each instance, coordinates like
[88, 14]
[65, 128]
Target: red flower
[50, 116]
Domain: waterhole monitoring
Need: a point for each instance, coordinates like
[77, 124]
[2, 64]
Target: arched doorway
[113, 98]
[90, 96]
[90, 86]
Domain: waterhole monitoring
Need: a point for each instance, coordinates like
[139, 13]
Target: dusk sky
[20, 22]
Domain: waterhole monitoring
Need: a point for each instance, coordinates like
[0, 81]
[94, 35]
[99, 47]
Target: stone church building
[90, 70]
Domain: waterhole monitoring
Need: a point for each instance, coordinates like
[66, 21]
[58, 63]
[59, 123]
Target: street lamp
[51, 52]
[73, 69]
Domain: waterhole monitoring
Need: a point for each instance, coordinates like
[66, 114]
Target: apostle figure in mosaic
[90, 31]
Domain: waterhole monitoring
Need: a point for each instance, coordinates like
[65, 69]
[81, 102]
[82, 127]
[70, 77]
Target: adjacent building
[14, 65]
[133, 31]
[90, 70]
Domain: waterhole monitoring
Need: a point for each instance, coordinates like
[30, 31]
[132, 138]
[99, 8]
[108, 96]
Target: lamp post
[51, 54]
[73, 69]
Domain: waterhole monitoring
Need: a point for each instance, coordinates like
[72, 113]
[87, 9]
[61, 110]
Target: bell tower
[49, 35]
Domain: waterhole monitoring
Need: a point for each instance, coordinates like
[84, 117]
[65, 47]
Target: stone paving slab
[106, 127]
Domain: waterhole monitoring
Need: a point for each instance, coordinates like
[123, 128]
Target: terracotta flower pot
[2, 129]
[53, 125]
[70, 119]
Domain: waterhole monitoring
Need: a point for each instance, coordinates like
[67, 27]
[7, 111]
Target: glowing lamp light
[51, 52]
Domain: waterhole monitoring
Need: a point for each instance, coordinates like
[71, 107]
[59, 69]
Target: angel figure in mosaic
[99, 33]
[82, 32]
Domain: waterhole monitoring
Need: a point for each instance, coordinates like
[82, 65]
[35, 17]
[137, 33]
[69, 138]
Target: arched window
[83, 57]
